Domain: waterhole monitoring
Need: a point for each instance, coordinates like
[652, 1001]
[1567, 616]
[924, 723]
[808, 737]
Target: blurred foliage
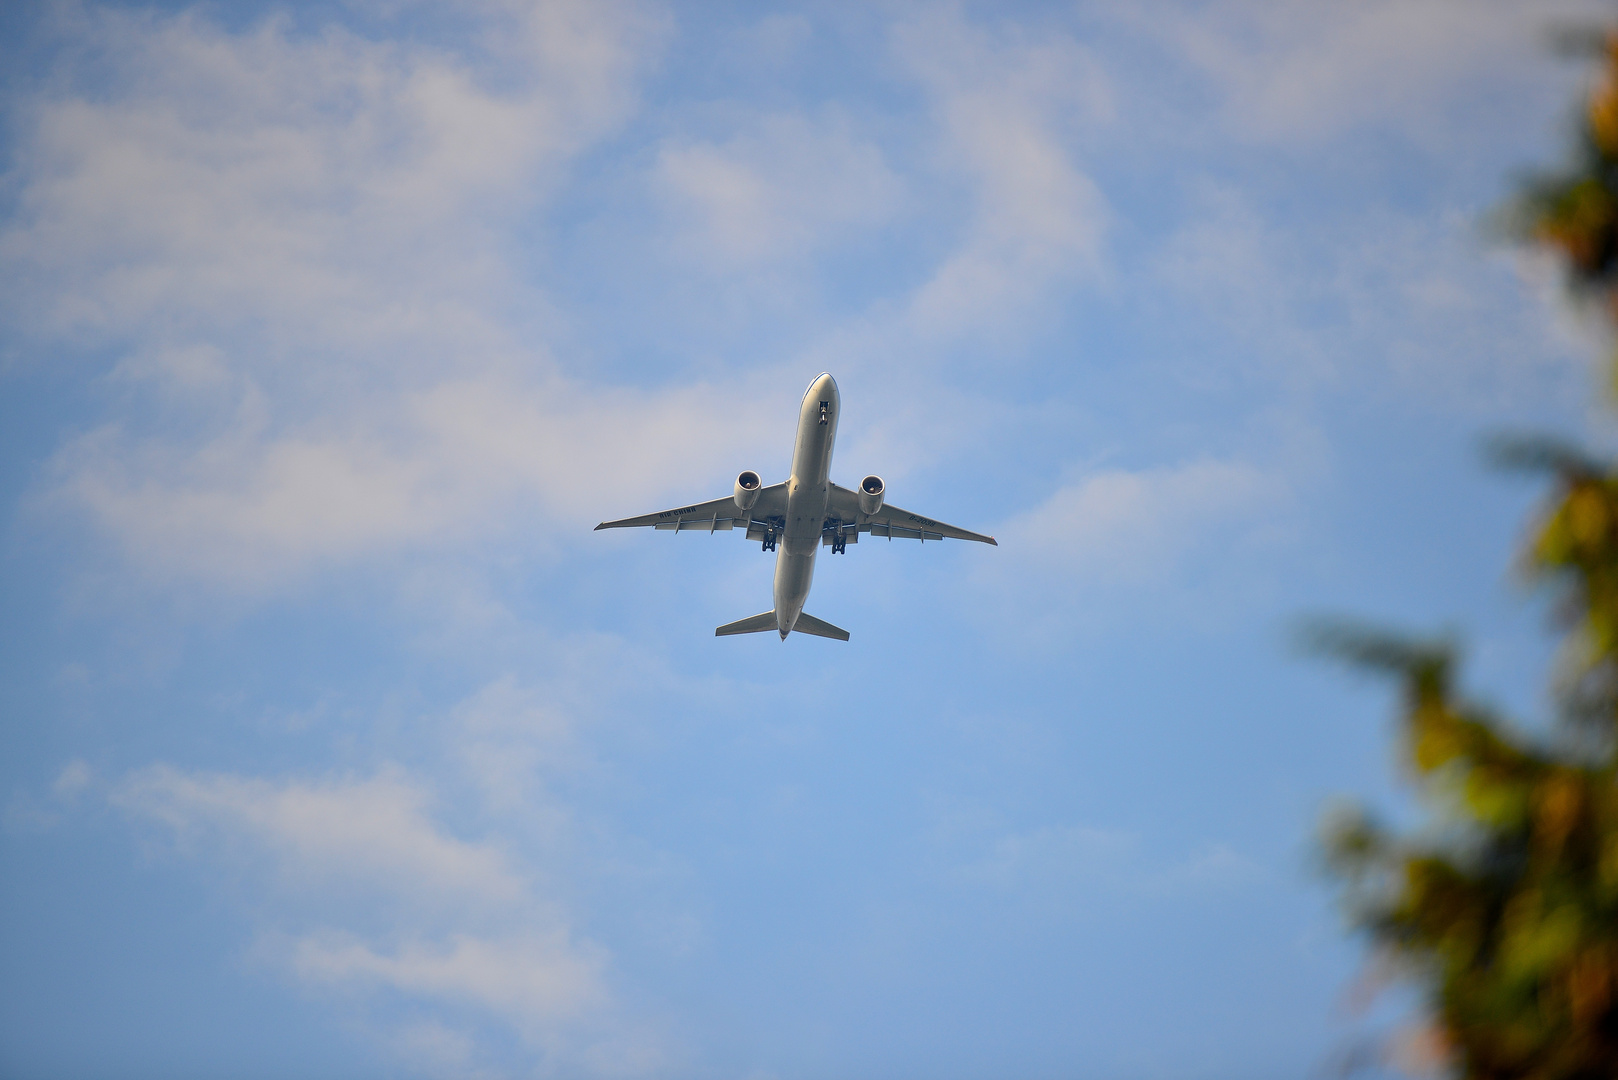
[1505, 907]
[1573, 212]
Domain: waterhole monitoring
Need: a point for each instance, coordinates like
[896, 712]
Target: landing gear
[839, 543]
[769, 540]
[825, 411]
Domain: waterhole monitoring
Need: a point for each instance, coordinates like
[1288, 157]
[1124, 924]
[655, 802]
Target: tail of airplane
[808, 624]
[753, 624]
[758, 624]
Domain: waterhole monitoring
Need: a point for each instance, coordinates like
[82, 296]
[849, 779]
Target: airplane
[800, 516]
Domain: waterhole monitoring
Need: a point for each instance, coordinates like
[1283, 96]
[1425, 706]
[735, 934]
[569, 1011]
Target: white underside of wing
[896, 524]
[713, 524]
[715, 515]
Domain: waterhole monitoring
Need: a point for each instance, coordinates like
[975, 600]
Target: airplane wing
[893, 522]
[711, 516]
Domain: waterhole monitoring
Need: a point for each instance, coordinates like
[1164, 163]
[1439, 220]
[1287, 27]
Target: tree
[1505, 908]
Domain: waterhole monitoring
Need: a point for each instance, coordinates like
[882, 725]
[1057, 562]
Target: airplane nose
[824, 389]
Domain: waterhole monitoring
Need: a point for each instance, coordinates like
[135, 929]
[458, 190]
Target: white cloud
[1215, 865]
[307, 190]
[1009, 106]
[1308, 71]
[25, 812]
[439, 1050]
[374, 833]
[1189, 546]
[528, 978]
[510, 736]
[781, 188]
[1392, 303]
[297, 246]
[461, 461]
[360, 888]
[1054, 864]
[1230, 267]
[72, 781]
[1122, 527]
[1021, 859]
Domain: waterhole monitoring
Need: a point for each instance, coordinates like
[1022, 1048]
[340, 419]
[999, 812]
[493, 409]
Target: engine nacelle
[748, 485]
[871, 491]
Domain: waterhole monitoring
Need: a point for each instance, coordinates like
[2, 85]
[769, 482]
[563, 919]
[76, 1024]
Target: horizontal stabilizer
[808, 624]
[753, 624]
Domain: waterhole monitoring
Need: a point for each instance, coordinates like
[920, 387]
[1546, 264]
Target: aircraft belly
[806, 517]
[808, 491]
[793, 576]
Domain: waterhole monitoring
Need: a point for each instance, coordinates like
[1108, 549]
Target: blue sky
[337, 744]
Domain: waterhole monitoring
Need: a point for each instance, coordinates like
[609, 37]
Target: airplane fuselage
[808, 490]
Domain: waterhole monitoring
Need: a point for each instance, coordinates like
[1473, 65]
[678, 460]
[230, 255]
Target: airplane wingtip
[598, 528]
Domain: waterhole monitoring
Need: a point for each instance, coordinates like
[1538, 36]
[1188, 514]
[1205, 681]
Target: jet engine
[748, 485]
[871, 491]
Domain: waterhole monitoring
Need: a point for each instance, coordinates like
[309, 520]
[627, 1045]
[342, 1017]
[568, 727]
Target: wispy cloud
[376, 831]
[1055, 864]
[462, 461]
[1124, 527]
[1309, 72]
[782, 187]
[532, 979]
[320, 281]
[295, 244]
[327, 193]
[1418, 305]
[362, 888]
[1008, 106]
